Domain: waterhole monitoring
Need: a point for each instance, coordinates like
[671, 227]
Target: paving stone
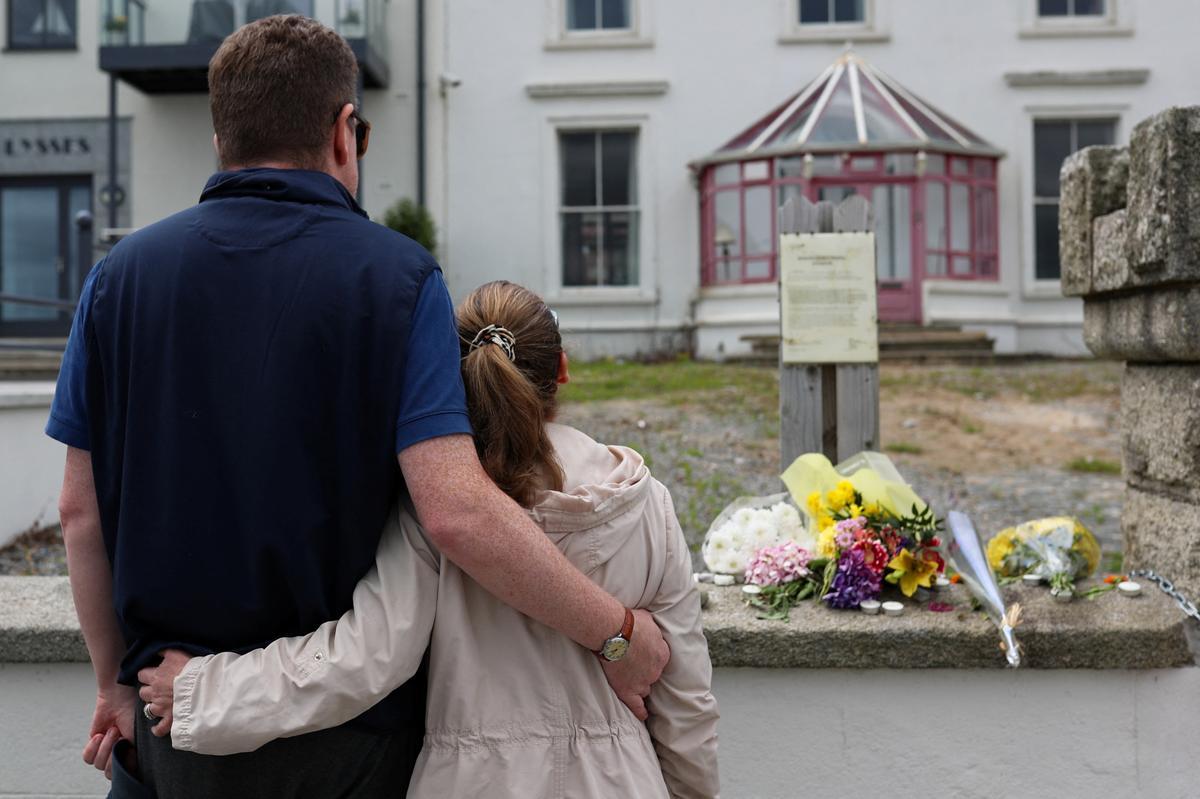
[1158, 325]
[1163, 534]
[1163, 222]
[1160, 421]
[1093, 184]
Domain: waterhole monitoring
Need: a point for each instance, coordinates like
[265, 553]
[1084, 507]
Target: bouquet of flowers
[1058, 550]
[747, 526]
[864, 527]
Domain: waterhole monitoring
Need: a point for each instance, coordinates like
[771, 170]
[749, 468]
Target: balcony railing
[146, 41]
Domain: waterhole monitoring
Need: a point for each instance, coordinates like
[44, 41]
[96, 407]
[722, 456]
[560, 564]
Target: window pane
[935, 215]
[1051, 146]
[727, 234]
[1046, 241]
[620, 248]
[893, 231]
[789, 167]
[935, 164]
[987, 266]
[1052, 8]
[900, 164]
[758, 270]
[836, 123]
[827, 165]
[959, 166]
[578, 169]
[835, 194]
[935, 265]
[29, 249]
[985, 219]
[848, 10]
[581, 249]
[1094, 131]
[864, 163]
[614, 14]
[759, 212]
[814, 11]
[962, 265]
[727, 175]
[984, 168]
[960, 217]
[618, 166]
[789, 191]
[581, 15]
[756, 170]
[1089, 8]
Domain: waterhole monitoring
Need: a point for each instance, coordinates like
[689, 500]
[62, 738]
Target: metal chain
[1168, 588]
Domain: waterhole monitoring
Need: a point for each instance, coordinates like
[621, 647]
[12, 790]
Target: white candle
[869, 606]
[723, 579]
[1129, 588]
[893, 608]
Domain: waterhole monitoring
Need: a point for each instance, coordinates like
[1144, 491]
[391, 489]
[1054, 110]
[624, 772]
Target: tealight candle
[893, 608]
[723, 579]
[943, 582]
[1032, 579]
[869, 606]
[1129, 588]
[751, 589]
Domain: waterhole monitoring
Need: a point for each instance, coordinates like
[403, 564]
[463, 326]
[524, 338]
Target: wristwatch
[617, 647]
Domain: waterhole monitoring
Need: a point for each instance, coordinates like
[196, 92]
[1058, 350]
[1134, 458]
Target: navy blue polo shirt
[243, 374]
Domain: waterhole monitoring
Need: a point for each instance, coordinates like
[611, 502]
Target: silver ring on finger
[153, 719]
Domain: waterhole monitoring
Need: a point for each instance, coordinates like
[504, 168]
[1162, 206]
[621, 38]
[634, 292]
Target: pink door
[895, 241]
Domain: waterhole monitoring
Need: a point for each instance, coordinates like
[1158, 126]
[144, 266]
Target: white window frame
[1051, 288]
[641, 293]
[559, 37]
[1116, 20]
[873, 28]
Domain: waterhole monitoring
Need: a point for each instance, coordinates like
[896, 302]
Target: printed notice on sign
[827, 298]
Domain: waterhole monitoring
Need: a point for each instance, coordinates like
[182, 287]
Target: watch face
[615, 648]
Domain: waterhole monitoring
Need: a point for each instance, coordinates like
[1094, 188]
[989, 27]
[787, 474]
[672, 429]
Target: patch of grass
[905, 448]
[717, 387]
[708, 495]
[970, 428]
[1090, 465]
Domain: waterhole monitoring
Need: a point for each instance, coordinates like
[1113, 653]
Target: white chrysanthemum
[763, 533]
[743, 516]
[785, 515]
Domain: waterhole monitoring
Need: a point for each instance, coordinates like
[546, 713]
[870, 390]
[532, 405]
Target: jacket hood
[605, 491]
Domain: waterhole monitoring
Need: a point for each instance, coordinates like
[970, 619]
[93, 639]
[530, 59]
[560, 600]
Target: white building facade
[562, 143]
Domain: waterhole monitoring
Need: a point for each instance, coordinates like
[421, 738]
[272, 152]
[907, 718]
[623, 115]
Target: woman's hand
[158, 688]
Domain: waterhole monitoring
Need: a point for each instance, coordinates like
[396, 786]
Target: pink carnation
[784, 563]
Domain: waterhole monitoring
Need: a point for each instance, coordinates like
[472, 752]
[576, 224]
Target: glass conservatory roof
[852, 106]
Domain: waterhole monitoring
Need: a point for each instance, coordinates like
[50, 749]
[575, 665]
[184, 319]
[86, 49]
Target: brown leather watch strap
[627, 627]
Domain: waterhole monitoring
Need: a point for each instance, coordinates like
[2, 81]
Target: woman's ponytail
[511, 346]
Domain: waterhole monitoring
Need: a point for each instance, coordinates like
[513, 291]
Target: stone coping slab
[38, 625]
[1109, 632]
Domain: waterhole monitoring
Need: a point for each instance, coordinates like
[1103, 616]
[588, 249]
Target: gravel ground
[707, 461]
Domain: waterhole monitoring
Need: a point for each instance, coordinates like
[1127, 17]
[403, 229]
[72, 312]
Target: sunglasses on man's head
[362, 132]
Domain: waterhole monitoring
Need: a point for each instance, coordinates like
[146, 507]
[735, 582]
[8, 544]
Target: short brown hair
[510, 399]
[275, 87]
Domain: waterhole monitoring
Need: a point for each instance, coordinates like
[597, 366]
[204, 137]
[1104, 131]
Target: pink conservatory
[854, 130]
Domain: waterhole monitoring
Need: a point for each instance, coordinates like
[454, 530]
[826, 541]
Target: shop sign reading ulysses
[827, 298]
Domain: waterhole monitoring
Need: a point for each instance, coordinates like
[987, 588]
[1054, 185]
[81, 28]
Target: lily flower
[911, 572]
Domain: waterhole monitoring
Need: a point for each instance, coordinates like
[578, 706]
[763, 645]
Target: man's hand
[631, 676]
[112, 721]
[158, 688]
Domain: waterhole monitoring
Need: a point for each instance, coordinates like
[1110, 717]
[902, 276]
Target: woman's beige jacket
[514, 708]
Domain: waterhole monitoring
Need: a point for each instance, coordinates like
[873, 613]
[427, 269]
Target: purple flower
[853, 582]
[777, 565]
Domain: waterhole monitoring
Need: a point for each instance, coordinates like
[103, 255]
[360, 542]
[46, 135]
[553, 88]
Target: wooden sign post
[829, 342]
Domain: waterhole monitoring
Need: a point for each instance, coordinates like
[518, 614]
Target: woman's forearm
[228, 703]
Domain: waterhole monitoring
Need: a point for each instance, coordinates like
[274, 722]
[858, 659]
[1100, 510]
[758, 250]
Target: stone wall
[1130, 246]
